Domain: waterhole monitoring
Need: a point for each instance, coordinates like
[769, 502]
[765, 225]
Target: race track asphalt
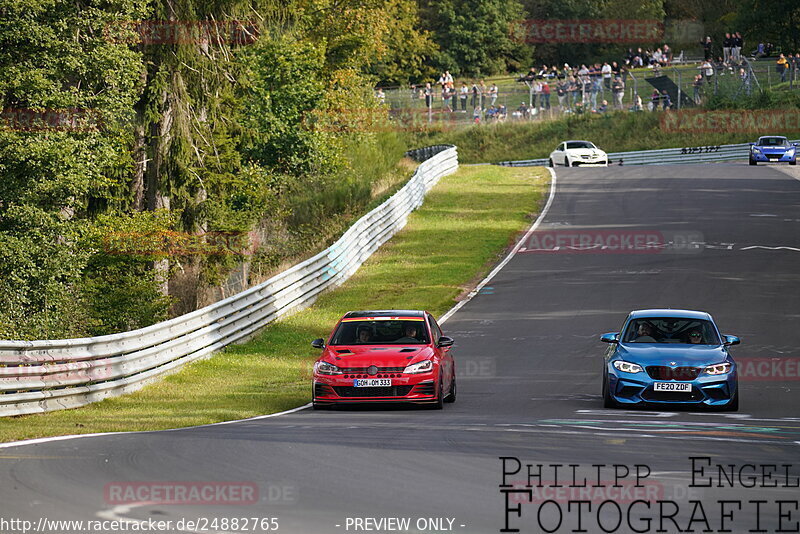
[529, 365]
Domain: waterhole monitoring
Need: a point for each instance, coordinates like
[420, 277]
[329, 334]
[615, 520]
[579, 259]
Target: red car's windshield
[372, 331]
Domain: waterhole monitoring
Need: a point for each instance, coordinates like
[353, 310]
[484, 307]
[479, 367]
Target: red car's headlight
[419, 367]
[325, 368]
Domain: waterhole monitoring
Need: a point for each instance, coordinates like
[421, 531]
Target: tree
[475, 36]
[409, 48]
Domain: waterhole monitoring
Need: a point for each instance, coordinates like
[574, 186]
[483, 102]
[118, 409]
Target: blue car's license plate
[672, 386]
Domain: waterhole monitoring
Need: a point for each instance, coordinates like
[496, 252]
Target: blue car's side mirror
[611, 337]
[731, 340]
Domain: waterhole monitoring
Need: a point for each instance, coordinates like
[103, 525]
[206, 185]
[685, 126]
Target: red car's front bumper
[337, 389]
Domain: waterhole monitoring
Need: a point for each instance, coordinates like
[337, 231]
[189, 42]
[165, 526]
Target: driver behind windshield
[645, 333]
[410, 335]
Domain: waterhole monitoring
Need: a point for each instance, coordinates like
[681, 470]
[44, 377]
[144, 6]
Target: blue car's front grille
[681, 374]
[672, 396]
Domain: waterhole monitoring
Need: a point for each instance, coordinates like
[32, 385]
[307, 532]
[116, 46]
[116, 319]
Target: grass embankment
[613, 132]
[467, 221]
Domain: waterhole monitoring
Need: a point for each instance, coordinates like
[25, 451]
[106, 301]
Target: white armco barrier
[664, 156]
[47, 375]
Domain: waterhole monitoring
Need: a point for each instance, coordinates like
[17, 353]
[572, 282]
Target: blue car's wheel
[793, 162]
[608, 400]
[752, 161]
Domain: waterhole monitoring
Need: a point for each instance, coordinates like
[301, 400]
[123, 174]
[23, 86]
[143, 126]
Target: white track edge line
[444, 318]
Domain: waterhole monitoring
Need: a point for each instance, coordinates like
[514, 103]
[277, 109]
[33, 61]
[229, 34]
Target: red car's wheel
[438, 404]
[451, 397]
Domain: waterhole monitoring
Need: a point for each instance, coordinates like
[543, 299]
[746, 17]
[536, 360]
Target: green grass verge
[466, 223]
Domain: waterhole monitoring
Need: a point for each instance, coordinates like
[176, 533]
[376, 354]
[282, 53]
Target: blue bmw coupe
[675, 357]
[773, 148]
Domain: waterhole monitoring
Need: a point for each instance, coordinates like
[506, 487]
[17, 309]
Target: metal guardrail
[47, 375]
[666, 156]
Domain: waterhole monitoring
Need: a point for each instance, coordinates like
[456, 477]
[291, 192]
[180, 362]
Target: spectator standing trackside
[546, 94]
[726, 48]
[618, 89]
[475, 94]
[561, 92]
[537, 94]
[698, 86]
[483, 93]
[381, 96]
[595, 90]
[736, 47]
[666, 101]
[781, 66]
[493, 93]
[447, 95]
[606, 70]
[745, 77]
[707, 69]
[573, 90]
[707, 49]
[428, 96]
[463, 96]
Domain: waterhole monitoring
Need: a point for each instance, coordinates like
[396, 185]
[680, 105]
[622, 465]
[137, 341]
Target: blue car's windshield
[671, 330]
[773, 141]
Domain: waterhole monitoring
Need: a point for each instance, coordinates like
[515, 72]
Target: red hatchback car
[385, 356]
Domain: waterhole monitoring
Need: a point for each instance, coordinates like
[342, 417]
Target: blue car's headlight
[718, 369]
[627, 367]
[756, 150]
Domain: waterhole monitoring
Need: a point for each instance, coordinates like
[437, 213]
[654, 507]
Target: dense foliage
[135, 133]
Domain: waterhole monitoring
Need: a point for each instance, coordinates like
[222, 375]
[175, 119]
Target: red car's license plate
[371, 382]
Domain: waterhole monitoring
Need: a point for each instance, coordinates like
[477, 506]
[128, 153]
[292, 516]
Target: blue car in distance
[773, 148]
[670, 357]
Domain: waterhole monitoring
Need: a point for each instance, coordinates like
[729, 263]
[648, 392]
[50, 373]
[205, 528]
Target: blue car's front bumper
[629, 389]
[773, 155]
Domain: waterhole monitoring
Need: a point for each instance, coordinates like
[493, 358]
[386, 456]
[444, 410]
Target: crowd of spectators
[599, 87]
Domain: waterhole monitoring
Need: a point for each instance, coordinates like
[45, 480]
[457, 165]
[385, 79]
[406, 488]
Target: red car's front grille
[363, 370]
[681, 374]
[389, 391]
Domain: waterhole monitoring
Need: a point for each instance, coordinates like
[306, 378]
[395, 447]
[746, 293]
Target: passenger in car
[695, 337]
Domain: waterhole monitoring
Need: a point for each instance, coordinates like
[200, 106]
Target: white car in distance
[578, 153]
